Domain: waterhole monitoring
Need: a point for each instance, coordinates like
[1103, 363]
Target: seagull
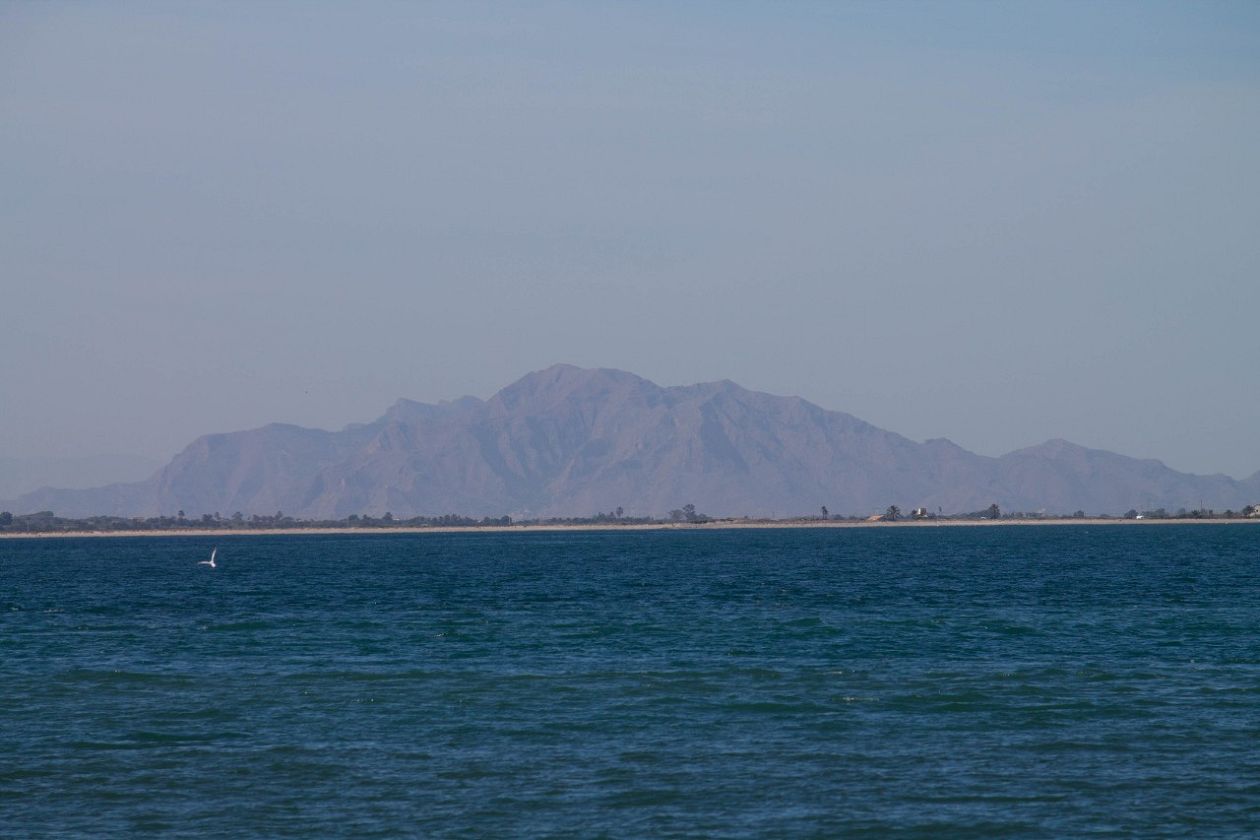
[209, 562]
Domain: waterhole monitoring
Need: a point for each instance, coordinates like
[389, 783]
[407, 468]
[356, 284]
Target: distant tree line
[48, 522]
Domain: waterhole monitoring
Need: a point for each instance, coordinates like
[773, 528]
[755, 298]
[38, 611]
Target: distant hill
[571, 441]
[22, 475]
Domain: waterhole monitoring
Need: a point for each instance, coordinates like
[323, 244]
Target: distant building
[919, 513]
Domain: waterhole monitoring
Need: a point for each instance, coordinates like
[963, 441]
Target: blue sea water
[957, 682]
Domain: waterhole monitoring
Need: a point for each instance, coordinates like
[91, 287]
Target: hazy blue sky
[997, 223]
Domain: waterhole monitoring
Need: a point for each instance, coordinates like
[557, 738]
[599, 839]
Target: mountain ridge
[569, 441]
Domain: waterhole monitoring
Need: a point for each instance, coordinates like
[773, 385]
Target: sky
[999, 223]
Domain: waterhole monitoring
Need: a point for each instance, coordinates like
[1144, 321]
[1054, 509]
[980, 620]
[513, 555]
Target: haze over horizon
[995, 224]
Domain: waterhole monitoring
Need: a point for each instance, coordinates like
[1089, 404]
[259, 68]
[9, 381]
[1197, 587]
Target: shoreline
[725, 525]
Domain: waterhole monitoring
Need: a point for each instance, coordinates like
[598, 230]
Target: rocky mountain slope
[569, 441]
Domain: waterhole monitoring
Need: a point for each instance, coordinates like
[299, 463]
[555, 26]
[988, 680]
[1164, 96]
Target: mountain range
[568, 441]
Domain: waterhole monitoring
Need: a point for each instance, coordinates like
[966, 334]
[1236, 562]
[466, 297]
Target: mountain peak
[562, 381]
[943, 444]
[1054, 446]
[563, 372]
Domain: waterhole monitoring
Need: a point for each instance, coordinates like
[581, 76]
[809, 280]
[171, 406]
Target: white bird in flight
[209, 562]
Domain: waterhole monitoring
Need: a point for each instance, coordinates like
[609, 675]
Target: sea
[1056, 681]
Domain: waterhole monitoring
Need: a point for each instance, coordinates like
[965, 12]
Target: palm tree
[893, 513]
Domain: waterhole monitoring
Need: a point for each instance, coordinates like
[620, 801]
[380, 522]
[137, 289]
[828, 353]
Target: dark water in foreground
[1031, 681]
